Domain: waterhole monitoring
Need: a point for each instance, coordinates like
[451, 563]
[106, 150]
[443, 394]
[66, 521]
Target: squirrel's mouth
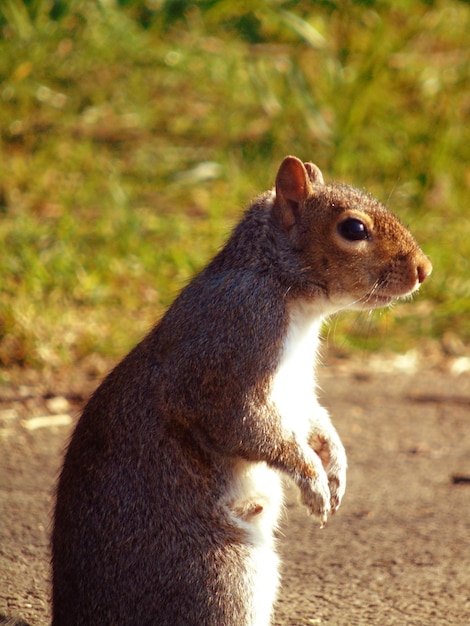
[376, 299]
[381, 296]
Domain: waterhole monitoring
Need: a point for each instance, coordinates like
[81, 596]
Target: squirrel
[170, 493]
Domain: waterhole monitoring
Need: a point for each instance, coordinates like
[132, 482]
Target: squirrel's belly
[255, 497]
[254, 504]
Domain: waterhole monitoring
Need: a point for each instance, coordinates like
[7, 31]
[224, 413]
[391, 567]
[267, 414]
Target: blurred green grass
[134, 133]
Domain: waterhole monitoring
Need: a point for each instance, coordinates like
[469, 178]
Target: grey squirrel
[170, 492]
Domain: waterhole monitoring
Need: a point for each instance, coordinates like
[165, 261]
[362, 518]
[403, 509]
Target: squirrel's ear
[293, 184]
[314, 173]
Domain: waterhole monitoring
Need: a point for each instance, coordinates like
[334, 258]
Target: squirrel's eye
[353, 229]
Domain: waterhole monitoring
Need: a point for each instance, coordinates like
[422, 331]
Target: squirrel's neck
[303, 333]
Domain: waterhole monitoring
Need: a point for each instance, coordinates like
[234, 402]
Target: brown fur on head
[352, 248]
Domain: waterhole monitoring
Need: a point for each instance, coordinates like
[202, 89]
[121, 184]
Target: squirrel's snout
[423, 269]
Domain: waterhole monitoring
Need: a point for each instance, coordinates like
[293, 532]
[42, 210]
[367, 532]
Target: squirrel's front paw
[333, 456]
[315, 495]
[337, 484]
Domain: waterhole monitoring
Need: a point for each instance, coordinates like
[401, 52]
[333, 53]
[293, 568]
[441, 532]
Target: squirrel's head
[351, 247]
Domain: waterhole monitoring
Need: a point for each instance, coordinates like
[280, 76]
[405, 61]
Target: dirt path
[397, 552]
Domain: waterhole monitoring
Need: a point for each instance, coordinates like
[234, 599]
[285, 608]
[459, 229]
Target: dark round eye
[353, 229]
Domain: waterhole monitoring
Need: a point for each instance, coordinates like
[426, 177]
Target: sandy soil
[398, 550]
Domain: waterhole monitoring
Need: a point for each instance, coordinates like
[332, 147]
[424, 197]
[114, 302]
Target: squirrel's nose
[424, 269]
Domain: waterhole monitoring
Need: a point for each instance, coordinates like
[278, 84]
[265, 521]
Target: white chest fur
[293, 385]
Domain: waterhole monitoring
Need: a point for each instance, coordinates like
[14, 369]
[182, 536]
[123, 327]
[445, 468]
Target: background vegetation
[133, 134]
